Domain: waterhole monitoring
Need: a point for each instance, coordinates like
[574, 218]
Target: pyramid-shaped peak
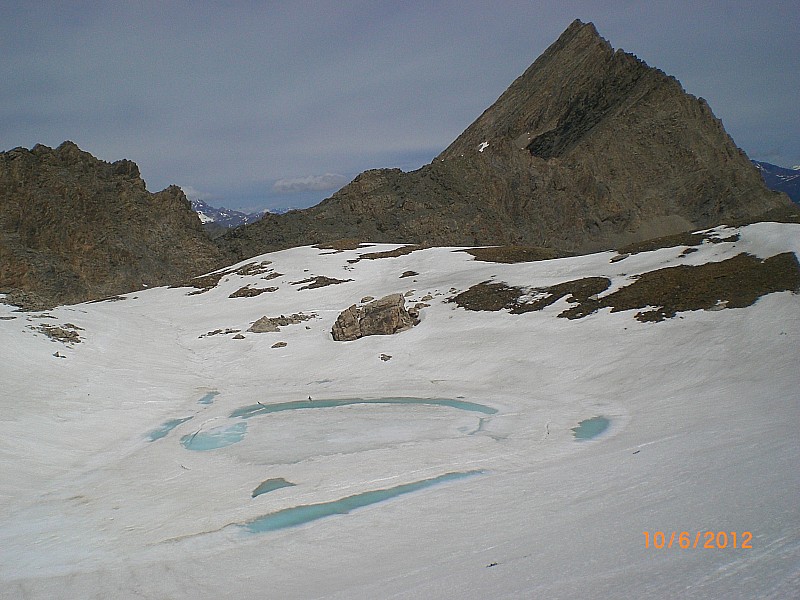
[588, 149]
[573, 87]
[578, 30]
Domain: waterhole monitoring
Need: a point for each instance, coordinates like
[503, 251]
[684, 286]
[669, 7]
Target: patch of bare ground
[254, 268]
[670, 241]
[107, 299]
[66, 333]
[493, 296]
[202, 283]
[401, 251]
[733, 283]
[512, 254]
[318, 282]
[789, 213]
[26, 301]
[220, 332]
[249, 292]
[488, 295]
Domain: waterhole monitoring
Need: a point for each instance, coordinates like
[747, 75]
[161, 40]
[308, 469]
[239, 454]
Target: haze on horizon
[278, 105]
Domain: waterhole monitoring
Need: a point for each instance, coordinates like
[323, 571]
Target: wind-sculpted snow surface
[172, 453]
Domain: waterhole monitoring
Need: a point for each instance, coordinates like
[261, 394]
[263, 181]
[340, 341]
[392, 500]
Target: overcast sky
[256, 105]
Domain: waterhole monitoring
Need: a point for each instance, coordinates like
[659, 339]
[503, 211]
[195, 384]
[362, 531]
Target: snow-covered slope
[106, 494]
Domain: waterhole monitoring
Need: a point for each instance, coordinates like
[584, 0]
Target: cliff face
[73, 228]
[589, 149]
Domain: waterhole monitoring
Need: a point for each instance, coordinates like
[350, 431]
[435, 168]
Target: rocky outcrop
[589, 149]
[384, 316]
[74, 228]
[272, 324]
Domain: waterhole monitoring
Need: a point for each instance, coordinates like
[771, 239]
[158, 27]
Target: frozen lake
[590, 428]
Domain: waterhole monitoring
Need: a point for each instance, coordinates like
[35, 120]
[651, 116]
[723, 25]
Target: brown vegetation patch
[202, 283]
[733, 283]
[248, 292]
[512, 254]
[789, 213]
[401, 251]
[253, 268]
[679, 239]
[488, 295]
[583, 291]
[498, 296]
[318, 282]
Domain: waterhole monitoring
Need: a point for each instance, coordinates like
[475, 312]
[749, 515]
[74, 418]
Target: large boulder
[384, 316]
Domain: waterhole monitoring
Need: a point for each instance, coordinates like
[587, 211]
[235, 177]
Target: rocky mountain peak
[73, 227]
[589, 149]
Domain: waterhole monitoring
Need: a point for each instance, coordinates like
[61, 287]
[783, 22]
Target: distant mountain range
[590, 149]
[222, 217]
[781, 179]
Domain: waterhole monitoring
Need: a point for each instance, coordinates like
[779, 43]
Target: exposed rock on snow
[254, 268]
[385, 316]
[249, 292]
[66, 334]
[512, 254]
[271, 324]
[220, 331]
[202, 283]
[318, 282]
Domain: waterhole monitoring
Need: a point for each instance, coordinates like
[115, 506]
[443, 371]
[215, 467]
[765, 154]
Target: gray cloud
[231, 99]
[311, 183]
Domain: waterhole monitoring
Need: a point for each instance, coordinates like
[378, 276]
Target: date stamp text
[698, 539]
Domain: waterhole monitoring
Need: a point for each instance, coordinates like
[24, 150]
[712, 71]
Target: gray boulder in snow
[384, 316]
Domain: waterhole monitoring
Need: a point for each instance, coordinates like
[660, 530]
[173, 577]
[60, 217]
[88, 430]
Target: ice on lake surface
[208, 398]
[218, 437]
[590, 428]
[163, 429]
[299, 515]
[260, 409]
[270, 485]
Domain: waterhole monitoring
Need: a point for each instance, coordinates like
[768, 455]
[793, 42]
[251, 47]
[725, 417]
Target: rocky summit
[73, 228]
[589, 149]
